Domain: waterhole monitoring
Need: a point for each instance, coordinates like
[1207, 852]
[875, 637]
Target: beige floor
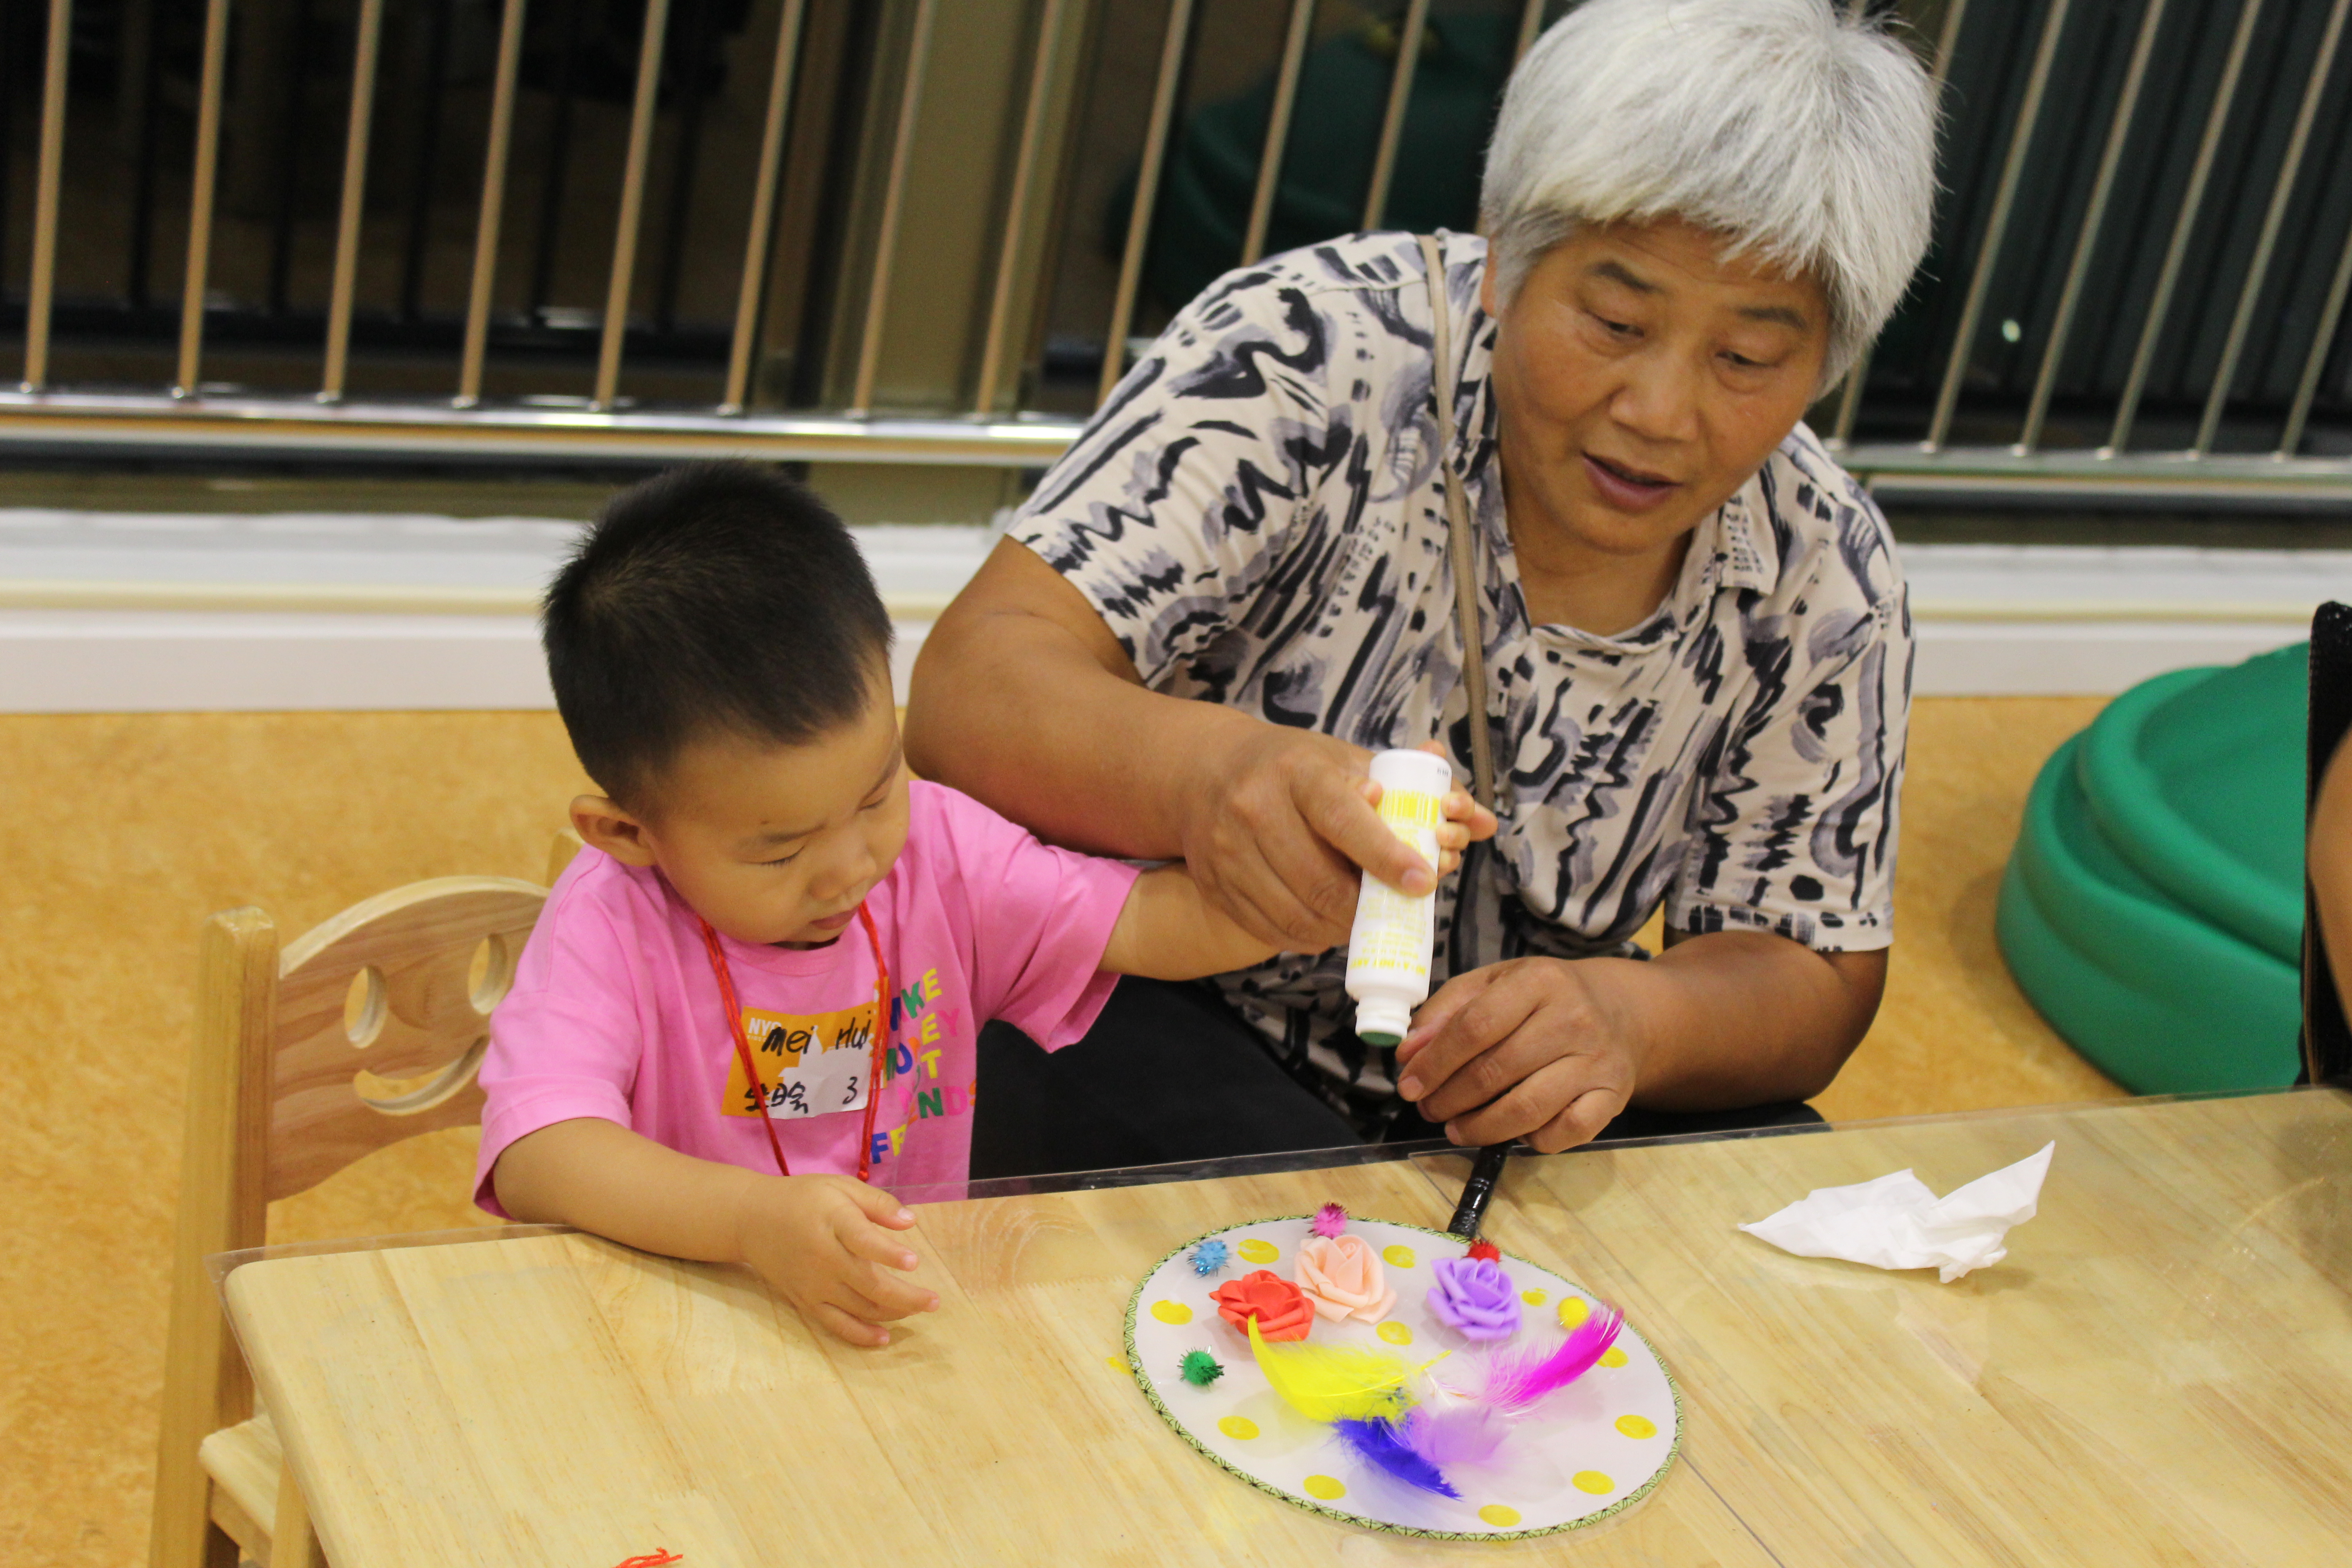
[121, 831]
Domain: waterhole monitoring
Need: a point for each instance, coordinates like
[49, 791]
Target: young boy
[763, 894]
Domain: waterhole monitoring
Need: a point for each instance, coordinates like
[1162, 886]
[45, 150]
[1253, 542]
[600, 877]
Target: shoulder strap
[1464, 549]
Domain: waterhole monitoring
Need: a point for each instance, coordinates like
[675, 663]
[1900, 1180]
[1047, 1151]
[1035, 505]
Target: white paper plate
[1592, 1449]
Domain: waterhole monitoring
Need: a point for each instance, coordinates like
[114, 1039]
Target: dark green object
[1201, 1369]
[2153, 907]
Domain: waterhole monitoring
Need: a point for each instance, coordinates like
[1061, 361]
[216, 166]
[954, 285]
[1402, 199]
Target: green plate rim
[1135, 1370]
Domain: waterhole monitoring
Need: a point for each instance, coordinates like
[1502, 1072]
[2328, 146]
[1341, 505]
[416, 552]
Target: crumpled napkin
[1896, 1222]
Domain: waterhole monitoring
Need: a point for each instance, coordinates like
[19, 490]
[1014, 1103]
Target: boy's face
[770, 843]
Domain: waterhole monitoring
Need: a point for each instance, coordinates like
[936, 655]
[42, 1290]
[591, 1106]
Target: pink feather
[1458, 1435]
[1517, 1380]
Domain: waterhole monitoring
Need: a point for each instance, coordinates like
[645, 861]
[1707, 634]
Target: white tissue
[1896, 1222]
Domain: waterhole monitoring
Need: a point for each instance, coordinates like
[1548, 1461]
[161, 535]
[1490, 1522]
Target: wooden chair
[364, 1031]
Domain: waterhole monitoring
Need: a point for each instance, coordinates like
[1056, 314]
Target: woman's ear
[604, 825]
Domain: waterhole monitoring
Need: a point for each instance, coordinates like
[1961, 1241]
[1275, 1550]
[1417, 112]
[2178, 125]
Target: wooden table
[2161, 1372]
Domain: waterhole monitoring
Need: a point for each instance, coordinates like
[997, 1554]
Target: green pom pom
[1201, 1369]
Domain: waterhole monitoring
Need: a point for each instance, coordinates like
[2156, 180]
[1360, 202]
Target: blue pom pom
[1209, 1257]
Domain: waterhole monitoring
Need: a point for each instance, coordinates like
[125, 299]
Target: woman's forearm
[1023, 700]
[1746, 1018]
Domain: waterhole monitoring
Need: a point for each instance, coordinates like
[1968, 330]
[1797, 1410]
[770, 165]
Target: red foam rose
[1281, 1307]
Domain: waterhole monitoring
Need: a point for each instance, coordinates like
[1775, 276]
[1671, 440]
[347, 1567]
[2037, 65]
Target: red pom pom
[1488, 1251]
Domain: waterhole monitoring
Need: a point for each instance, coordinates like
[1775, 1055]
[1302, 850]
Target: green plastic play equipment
[2153, 907]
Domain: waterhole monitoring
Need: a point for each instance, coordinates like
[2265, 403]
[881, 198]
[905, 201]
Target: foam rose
[1280, 1308]
[1475, 1295]
[1342, 1278]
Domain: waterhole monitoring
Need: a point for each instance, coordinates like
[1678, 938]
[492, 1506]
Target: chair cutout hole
[410, 1096]
[489, 973]
[363, 1008]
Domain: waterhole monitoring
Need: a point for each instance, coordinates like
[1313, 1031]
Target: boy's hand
[819, 1242]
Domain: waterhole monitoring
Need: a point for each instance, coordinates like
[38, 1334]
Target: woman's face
[1641, 379]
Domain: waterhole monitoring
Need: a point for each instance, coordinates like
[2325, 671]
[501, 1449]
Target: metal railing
[865, 229]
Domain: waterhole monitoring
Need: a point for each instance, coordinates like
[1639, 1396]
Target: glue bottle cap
[1383, 1020]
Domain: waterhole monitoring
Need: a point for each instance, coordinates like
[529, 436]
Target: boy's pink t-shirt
[616, 1011]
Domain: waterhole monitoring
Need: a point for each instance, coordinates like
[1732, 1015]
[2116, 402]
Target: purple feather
[1517, 1380]
[1378, 1444]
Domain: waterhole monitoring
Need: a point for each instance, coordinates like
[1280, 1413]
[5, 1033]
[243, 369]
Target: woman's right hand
[1282, 823]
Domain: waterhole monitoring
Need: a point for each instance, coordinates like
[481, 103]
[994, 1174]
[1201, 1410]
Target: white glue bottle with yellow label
[1388, 952]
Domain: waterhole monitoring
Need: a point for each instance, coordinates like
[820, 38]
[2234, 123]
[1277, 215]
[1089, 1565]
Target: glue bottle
[1388, 952]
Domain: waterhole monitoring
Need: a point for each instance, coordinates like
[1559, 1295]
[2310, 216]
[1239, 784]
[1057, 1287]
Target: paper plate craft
[1385, 1376]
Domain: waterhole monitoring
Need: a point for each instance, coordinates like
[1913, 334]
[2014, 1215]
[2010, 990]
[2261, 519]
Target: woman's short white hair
[1801, 132]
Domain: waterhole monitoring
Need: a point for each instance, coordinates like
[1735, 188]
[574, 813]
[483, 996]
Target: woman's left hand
[1540, 1048]
[1550, 1049]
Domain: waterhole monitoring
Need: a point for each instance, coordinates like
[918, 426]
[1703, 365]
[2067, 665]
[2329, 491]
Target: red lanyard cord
[882, 1032]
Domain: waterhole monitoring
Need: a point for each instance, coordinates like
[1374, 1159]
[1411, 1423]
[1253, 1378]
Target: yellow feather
[1333, 1383]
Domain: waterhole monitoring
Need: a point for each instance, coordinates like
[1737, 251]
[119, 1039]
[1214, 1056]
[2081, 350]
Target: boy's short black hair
[715, 597]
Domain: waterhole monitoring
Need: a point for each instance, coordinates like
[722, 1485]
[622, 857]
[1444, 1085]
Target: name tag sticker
[809, 1065]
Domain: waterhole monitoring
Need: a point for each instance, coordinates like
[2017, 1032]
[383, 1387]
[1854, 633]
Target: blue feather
[1377, 1444]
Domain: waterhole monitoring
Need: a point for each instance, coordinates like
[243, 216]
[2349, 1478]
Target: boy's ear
[602, 823]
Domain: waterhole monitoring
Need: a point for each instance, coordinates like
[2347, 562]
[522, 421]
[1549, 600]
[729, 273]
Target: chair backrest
[2327, 1036]
[364, 1031]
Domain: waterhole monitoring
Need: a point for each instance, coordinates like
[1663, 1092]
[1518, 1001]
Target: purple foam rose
[1475, 1295]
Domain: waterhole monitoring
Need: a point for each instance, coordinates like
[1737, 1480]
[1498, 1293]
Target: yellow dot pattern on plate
[1573, 1311]
[1239, 1427]
[1327, 1488]
[1253, 1250]
[1592, 1481]
[1532, 1297]
[1500, 1517]
[1396, 1334]
[1613, 1356]
[1171, 1311]
[1637, 1427]
[1399, 1256]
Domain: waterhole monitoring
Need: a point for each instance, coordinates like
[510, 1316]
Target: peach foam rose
[1342, 1275]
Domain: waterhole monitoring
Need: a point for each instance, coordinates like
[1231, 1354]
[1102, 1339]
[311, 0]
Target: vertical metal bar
[559, 149]
[1026, 157]
[214, 74]
[1531, 17]
[428, 148]
[681, 180]
[2174, 252]
[763, 207]
[894, 196]
[2012, 170]
[633, 203]
[2103, 185]
[347, 226]
[494, 202]
[1849, 405]
[2331, 316]
[1376, 196]
[289, 160]
[1277, 128]
[1146, 194]
[2218, 399]
[42, 294]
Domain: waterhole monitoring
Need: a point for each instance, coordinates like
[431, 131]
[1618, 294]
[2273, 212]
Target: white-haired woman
[1696, 658]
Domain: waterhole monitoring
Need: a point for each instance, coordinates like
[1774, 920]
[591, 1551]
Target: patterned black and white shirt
[1258, 517]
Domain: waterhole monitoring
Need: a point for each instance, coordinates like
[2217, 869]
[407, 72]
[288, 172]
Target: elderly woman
[1690, 627]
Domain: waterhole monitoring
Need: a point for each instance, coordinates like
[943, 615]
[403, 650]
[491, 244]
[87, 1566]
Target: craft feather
[1456, 1435]
[1200, 1369]
[1379, 1445]
[1209, 1257]
[1517, 1380]
[1333, 1383]
[1330, 1220]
